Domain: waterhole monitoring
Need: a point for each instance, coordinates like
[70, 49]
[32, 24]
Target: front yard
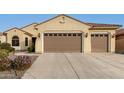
[13, 65]
[17, 73]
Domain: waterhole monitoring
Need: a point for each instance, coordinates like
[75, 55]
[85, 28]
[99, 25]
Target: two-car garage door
[62, 42]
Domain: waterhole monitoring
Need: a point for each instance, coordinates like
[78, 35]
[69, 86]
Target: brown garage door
[62, 42]
[99, 42]
[119, 43]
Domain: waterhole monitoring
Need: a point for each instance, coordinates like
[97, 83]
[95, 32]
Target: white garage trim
[100, 32]
[42, 40]
[76, 31]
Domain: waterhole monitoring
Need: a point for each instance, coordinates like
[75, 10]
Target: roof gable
[18, 30]
[62, 15]
[30, 29]
[91, 25]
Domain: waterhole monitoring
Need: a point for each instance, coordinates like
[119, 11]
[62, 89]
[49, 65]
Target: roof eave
[104, 28]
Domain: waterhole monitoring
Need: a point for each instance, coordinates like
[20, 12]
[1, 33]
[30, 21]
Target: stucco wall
[2, 39]
[30, 29]
[21, 35]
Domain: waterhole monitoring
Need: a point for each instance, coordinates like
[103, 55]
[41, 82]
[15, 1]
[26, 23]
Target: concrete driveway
[77, 66]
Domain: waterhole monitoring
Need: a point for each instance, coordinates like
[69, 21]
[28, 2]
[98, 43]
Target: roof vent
[62, 21]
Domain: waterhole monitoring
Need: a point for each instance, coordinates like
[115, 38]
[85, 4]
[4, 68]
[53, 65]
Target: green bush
[4, 53]
[31, 49]
[6, 46]
[11, 49]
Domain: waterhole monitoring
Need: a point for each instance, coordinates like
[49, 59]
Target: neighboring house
[64, 34]
[2, 38]
[19, 39]
[120, 40]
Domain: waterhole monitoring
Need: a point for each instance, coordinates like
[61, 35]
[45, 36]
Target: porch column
[87, 42]
[82, 42]
[112, 42]
[38, 44]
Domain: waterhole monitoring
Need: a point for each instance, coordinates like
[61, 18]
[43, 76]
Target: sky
[8, 21]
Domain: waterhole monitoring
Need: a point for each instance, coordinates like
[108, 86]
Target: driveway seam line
[72, 66]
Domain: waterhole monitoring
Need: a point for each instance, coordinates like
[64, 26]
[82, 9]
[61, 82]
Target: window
[45, 34]
[64, 34]
[69, 34]
[26, 41]
[15, 41]
[92, 35]
[79, 34]
[101, 35]
[55, 34]
[60, 34]
[50, 34]
[96, 35]
[74, 34]
[105, 35]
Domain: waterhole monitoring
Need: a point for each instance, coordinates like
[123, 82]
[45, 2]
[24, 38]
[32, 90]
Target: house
[64, 34]
[120, 40]
[2, 38]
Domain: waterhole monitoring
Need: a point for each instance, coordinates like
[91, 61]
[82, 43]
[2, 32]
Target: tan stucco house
[64, 34]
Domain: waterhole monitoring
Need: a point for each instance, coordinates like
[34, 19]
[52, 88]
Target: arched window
[15, 41]
[26, 41]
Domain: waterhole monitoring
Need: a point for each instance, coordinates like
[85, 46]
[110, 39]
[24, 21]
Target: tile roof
[103, 25]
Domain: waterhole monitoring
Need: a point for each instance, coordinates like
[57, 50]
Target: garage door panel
[62, 43]
[99, 42]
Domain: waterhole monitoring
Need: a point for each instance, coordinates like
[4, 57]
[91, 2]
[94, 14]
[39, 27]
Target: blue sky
[8, 21]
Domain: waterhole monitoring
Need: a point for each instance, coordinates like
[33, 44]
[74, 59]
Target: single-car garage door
[99, 42]
[62, 42]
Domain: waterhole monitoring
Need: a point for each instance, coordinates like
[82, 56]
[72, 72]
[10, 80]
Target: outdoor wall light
[39, 35]
[113, 35]
[86, 35]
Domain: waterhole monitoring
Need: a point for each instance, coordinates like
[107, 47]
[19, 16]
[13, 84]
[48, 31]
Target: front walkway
[76, 66]
[26, 53]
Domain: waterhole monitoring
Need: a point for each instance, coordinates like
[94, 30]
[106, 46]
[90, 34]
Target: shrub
[31, 49]
[4, 53]
[6, 46]
[21, 62]
[11, 49]
[5, 64]
[15, 63]
[3, 45]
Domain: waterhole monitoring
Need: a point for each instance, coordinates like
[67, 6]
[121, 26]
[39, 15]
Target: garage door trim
[81, 43]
